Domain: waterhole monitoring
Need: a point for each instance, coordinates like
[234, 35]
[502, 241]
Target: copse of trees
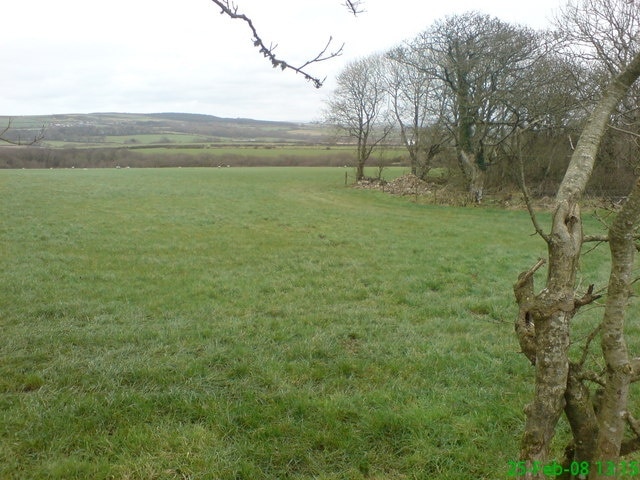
[501, 99]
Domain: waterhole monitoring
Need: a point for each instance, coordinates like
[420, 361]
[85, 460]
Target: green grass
[255, 324]
[147, 153]
[258, 150]
[190, 144]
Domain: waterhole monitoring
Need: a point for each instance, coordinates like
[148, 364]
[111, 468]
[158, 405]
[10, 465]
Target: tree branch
[581, 415]
[231, 10]
[587, 298]
[622, 130]
[39, 136]
[354, 6]
[602, 238]
[593, 377]
[633, 423]
[635, 365]
[595, 238]
[631, 445]
[527, 198]
[525, 328]
[587, 344]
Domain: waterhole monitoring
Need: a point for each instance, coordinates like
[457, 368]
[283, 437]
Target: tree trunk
[582, 419]
[613, 404]
[552, 309]
[551, 313]
[359, 171]
[473, 175]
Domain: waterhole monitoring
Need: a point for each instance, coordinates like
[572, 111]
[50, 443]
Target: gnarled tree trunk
[473, 175]
[543, 324]
[612, 412]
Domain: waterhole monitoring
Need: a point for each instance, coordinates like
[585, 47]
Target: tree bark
[359, 171]
[552, 309]
[362, 151]
[551, 312]
[582, 419]
[473, 174]
[613, 405]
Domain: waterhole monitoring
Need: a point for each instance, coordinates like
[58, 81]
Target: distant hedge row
[37, 157]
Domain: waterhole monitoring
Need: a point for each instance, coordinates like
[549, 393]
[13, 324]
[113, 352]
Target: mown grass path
[254, 323]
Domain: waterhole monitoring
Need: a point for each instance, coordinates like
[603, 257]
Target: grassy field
[256, 324]
[191, 155]
[257, 150]
[262, 150]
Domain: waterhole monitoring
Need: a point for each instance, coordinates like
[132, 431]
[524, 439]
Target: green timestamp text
[576, 469]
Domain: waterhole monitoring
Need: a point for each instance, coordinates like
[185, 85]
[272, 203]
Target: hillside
[100, 140]
[125, 129]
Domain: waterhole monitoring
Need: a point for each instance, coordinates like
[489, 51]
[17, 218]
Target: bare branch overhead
[4, 138]
[354, 6]
[230, 9]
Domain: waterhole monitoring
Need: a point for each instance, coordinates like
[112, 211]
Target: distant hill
[99, 140]
[118, 129]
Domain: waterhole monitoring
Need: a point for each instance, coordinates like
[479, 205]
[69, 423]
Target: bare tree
[604, 35]
[479, 60]
[551, 104]
[598, 419]
[418, 105]
[357, 107]
[601, 32]
[230, 9]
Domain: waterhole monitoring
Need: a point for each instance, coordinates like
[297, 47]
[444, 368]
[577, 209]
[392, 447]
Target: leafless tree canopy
[357, 107]
[604, 32]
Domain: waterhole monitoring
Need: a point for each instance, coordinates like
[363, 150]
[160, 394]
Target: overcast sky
[147, 56]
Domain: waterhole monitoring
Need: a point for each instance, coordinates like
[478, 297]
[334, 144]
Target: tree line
[501, 101]
[36, 157]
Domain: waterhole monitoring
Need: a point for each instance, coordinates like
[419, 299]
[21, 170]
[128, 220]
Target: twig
[633, 423]
[527, 198]
[595, 238]
[354, 6]
[635, 366]
[231, 10]
[593, 376]
[524, 277]
[587, 298]
[633, 444]
[590, 338]
[618, 129]
[39, 136]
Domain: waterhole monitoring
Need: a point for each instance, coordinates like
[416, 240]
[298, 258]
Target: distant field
[68, 155]
[258, 324]
[171, 144]
[117, 129]
[256, 150]
[107, 140]
[155, 145]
